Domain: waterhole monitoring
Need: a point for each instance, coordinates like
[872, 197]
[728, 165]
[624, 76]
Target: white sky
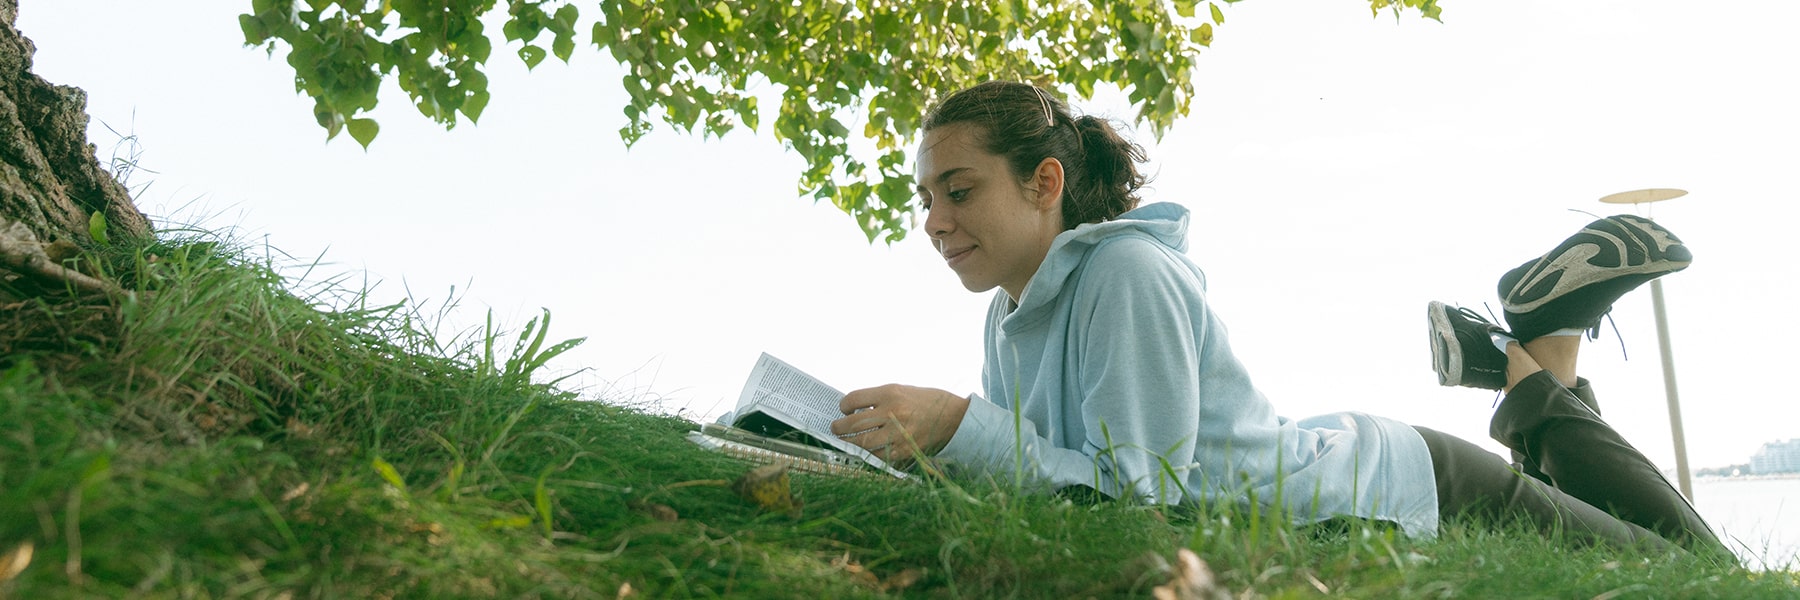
[1343, 170]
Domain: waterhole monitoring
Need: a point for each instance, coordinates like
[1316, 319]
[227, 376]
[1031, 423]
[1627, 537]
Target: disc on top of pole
[1644, 196]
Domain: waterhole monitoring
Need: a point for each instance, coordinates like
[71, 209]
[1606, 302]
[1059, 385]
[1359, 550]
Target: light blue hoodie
[1114, 347]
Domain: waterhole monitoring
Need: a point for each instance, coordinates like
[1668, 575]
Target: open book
[785, 414]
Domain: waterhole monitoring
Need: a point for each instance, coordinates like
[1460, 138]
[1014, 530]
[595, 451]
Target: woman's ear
[1048, 181]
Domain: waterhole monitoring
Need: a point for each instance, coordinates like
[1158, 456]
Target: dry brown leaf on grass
[902, 580]
[856, 572]
[14, 563]
[626, 591]
[862, 575]
[1317, 585]
[295, 492]
[767, 486]
[301, 430]
[20, 252]
[660, 512]
[1190, 579]
[434, 532]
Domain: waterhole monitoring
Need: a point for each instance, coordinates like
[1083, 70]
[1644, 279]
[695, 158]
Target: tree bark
[50, 180]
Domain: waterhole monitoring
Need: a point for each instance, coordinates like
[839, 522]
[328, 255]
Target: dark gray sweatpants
[1575, 475]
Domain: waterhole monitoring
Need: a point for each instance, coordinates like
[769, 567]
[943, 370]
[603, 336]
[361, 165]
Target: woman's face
[991, 229]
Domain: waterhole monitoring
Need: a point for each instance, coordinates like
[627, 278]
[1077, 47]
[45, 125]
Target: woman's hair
[1027, 125]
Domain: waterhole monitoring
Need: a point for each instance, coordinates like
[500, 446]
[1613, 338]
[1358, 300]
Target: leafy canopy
[692, 64]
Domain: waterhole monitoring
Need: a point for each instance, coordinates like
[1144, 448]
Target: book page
[804, 402]
[789, 395]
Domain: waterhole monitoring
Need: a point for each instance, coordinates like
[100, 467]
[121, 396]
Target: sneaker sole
[1443, 340]
[1580, 262]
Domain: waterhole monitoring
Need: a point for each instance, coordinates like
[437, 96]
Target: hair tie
[1049, 117]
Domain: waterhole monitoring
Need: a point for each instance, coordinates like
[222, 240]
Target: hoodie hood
[1165, 223]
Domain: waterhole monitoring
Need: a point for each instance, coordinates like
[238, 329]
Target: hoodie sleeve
[1133, 350]
[985, 442]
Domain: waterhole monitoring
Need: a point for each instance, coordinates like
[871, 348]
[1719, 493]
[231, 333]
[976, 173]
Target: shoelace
[1501, 393]
[1473, 315]
[1593, 333]
[1490, 310]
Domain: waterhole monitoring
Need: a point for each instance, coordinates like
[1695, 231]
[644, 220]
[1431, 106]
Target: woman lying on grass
[1125, 382]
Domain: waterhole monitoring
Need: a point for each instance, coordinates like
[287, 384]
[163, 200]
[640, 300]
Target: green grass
[218, 435]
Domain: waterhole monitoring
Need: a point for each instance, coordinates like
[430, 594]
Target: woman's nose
[937, 222]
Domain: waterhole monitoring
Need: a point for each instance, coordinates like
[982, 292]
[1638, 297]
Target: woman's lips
[956, 256]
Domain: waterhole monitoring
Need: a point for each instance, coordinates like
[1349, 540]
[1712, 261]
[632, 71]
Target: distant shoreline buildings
[1773, 459]
[1776, 457]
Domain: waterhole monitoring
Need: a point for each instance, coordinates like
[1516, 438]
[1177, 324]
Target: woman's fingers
[888, 443]
[898, 421]
[860, 421]
[874, 430]
[864, 409]
[867, 398]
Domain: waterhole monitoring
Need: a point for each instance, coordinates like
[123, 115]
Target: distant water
[1760, 518]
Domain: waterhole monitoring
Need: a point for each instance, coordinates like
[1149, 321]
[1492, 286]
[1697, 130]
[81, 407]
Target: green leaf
[452, 486]
[748, 112]
[473, 106]
[363, 131]
[566, 16]
[388, 474]
[97, 468]
[478, 49]
[532, 55]
[541, 501]
[602, 35]
[835, 129]
[990, 44]
[254, 30]
[515, 522]
[1217, 15]
[97, 228]
[563, 45]
[333, 127]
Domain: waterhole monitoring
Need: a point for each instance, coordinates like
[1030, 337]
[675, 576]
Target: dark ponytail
[1109, 181]
[1027, 125]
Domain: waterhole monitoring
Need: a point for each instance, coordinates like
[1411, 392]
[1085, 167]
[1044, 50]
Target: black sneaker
[1462, 350]
[1577, 283]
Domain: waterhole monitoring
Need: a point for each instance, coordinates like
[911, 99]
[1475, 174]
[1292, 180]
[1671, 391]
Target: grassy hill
[219, 432]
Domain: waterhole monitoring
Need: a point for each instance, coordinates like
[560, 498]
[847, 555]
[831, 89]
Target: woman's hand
[900, 422]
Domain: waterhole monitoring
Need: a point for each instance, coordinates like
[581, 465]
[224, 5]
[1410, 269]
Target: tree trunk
[50, 180]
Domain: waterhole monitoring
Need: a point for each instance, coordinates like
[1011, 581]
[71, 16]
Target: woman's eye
[958, 195]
